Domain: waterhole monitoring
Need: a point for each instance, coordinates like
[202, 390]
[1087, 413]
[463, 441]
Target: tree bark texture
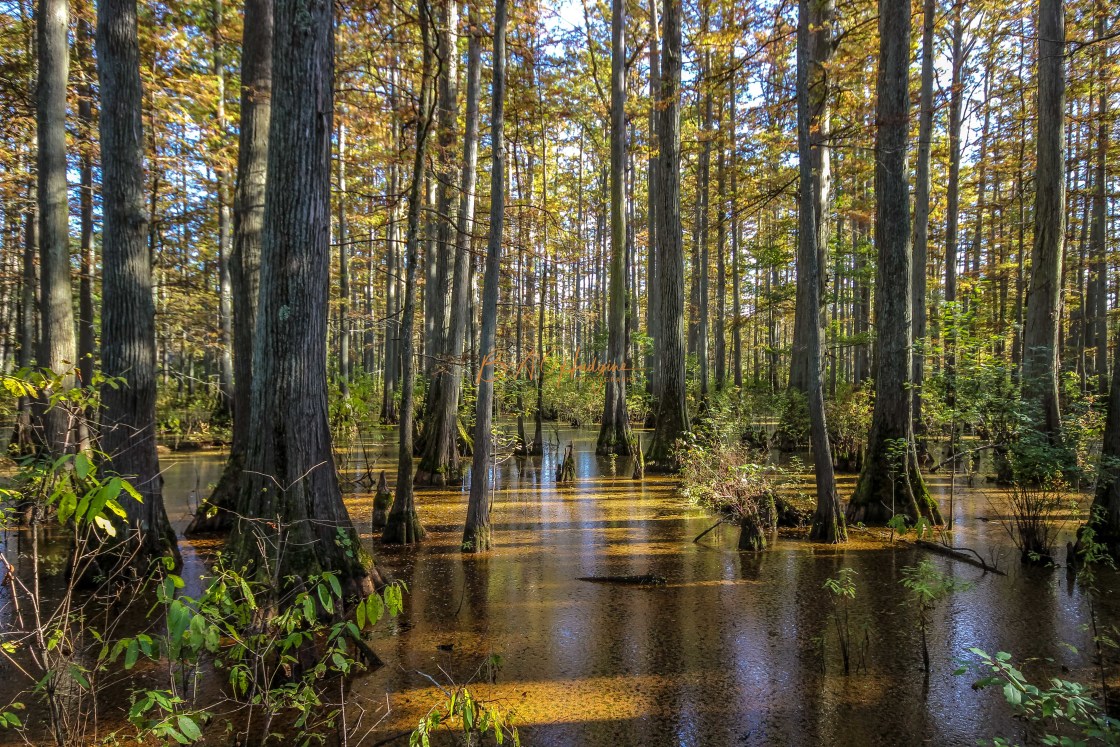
[672, 413]
[245, 258]
[57, 345]
[291, 519]
[477, 536]
[890, 482]
[1040, 332]
[128, 334]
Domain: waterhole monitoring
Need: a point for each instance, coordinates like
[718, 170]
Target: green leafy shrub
[1059, 712]
[849, 422]
[733, 480]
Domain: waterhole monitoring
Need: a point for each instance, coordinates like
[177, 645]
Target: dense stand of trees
[663, 234]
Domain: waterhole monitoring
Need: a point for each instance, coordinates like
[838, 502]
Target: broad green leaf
[325, 598]
[336, 587]
[189, 728]
[82, 466]
[132, 491]
[79, 676]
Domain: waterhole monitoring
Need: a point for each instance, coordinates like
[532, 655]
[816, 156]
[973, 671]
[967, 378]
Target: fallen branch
[700, 536]
[958, 553]
[644, 580]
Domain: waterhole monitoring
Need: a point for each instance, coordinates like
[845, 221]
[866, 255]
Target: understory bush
[733, 480]
[1034, 515]
[842, 590]
[980, 398]
[78, 632]
[88, 627]
[849, 422]
[1058, 712]
[793, 422]
[187, 416]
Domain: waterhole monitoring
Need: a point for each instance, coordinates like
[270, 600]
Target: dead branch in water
[719, 523]
[644, 580]
[958, 553]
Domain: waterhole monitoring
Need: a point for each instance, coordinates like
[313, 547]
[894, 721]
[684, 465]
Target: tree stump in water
[752, 538]
[757, 518]
[567, 471]
[382, 500]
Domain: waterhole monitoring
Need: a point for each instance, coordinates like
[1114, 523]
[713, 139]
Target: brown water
[729, 652]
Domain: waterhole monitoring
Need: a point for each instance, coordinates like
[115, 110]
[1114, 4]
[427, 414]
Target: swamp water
[736, 648]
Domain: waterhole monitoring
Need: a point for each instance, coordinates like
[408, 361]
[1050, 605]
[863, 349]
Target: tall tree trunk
[477, 536]
[524, 298]
[440, 461]
[922, 209]
[293, 522]
[403, 526]
[694, 263]
[703, 202]
[23, 435]
[672, 413]
[536, 447]
[369, 334]
[862, 305]
[578, 299]
[816, 190]
[719, 342]
[225, 243]
[343, 270]
[10, 252]
[86, 312]
[1040, 340]
[1097, 321]
[890, 482]
[828, 519]
[653, 290]
[614, 434]
[392, 269]
[58, 348]
[430, 332]
[1021, 211]
[982, 178]
[128, 336]
[214, 515]
[437, 295]
[1104, 515]
[952, 216]
[736, 301]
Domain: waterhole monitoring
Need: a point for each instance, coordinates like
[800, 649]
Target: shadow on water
[728, 652]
